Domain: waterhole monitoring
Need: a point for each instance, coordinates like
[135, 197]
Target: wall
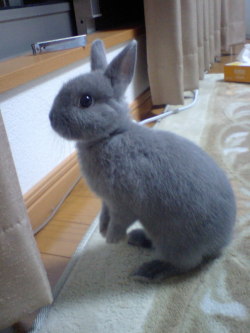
[35, 147]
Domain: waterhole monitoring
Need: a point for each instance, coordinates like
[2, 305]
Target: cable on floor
[167, 112]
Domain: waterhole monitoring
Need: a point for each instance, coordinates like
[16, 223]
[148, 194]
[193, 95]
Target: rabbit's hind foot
[155, 271]
[138, 238]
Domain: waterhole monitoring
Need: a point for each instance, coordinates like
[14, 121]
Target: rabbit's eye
[86, 101]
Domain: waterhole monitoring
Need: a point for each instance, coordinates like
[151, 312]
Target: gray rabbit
[181, 197]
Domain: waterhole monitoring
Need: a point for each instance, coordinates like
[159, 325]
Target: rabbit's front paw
[104, 220]
[115, 233]
[103, 227]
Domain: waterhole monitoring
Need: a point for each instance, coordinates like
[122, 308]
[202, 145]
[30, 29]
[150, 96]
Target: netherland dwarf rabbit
[181, 197]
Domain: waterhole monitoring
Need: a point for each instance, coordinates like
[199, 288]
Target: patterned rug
[96, 294]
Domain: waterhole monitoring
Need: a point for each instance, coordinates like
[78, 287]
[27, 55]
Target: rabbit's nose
[51, 116]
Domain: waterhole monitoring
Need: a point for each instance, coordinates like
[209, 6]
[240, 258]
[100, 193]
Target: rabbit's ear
[98, 56]
[121, 69]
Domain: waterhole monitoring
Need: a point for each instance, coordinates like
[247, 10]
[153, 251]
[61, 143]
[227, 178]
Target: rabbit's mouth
[73, 129]
[62, 126]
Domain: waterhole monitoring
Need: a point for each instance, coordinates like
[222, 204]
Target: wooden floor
[60, 238]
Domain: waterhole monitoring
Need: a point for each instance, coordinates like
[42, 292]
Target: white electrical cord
[167, 113]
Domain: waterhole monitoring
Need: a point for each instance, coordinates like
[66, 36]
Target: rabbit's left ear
[121, 69]
[98, 56]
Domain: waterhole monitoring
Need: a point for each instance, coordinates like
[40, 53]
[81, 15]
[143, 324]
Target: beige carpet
[98, 295]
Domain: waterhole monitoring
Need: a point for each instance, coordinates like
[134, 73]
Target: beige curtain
[183, 39]
[23, 282]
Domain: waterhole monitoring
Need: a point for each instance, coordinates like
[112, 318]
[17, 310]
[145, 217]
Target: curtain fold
[217, 27]
[232, 23]
[189, 37]
[183, 39]
[164, 49]
[200, 37]
[23, 282]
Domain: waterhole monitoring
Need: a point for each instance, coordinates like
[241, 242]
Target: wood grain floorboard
[60, 238]
[54, 265]
[63, 233]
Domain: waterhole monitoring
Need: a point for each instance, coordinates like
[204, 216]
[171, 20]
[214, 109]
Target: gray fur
[98, 56]
[182, 198]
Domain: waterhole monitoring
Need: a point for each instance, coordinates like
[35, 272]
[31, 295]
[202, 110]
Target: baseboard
[141, 106]
[43, 200]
